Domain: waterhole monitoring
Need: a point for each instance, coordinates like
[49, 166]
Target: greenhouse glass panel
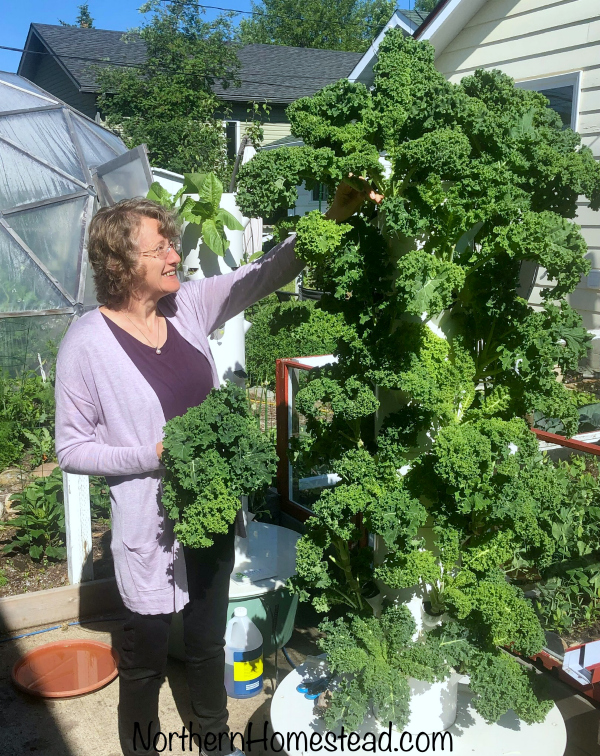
[46, 136]
[113, 140]
[23, 338]
[23, 285]
[15, 99]
[95, 151]
[53, 233]
[19, 81]
[127, 176]
[23, 179]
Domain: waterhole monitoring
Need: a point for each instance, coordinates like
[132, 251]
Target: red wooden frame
[282, 368]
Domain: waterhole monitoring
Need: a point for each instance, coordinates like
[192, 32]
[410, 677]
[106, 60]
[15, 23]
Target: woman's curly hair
[112, 247]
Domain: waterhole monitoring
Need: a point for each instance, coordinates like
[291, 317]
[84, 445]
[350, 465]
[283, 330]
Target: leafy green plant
[11, 448]
[26, 418]
[99, 498]
[287, 329]
[3, 579]
[205, 212]
[40, 519]
[440, 361]
[213, 454]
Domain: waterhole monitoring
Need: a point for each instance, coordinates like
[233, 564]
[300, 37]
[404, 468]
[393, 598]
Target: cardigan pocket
[144, 565]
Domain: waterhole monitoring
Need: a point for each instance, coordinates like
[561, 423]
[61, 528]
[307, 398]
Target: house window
[320, 192]
[563, 93]
[231, 132]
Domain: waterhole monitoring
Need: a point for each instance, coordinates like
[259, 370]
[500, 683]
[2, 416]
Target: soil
[579, 383]
[21, 573]
[25, 575]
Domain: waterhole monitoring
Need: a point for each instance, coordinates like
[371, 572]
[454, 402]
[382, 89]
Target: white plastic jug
[243, 656]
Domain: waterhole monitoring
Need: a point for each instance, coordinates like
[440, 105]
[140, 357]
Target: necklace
[144, 335]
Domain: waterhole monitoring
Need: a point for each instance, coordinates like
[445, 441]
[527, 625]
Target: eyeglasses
[162, 250]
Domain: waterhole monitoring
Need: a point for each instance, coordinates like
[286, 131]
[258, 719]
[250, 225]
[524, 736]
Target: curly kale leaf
[213, 454]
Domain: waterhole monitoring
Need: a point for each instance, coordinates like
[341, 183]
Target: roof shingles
[268, 72]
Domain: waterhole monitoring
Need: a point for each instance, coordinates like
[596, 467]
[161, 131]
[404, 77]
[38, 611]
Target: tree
[167, 102]
[337, 25]
[425, 6]
[83, 20]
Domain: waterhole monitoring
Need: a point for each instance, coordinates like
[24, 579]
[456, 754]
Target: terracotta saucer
[65, 668]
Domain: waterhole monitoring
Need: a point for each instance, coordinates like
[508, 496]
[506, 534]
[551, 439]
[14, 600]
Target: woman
[122, 371]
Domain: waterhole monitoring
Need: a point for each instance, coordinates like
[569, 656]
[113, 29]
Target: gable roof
[414, 17]
[268, 72]
[363, 70]
[69, 42]
[446, 20]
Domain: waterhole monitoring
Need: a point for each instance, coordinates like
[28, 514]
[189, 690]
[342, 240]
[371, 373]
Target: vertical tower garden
[441, 363]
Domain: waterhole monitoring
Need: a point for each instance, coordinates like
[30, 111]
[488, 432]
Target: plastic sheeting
[15, 99]
[54, 234]
[46, 136]
[23, 179]
[46, 203]
[95, 150]
[23, 285]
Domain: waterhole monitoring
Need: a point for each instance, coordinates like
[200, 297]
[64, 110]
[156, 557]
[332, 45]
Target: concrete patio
[87, 726]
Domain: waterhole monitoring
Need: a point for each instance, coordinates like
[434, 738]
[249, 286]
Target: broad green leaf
[202, 210]
[56, 552]
[208, 188]
[158, 193]
[193, 182]
[229, 220]
[35, 552]
[212, 238]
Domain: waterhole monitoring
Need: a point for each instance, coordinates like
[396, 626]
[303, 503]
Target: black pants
[143, 655]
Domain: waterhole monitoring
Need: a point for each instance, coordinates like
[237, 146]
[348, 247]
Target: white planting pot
[432, 705]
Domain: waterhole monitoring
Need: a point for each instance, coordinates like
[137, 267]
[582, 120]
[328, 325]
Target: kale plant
[442, 362]
[214, 454]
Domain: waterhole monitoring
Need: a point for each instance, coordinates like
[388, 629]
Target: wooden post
[78, 524]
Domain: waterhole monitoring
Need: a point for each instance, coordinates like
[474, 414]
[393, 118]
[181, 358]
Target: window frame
[572, 78]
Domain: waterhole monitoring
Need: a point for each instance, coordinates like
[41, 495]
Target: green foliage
[287, 329]
[26, 418]
[84, 19]
[40, 518]
[99, 498]
[206, 212]
[3, 579]
[440, 362]
[214, 454]
[168, 102]
[341, 25]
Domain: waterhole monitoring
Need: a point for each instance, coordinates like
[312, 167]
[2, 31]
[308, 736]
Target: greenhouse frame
[56, 167]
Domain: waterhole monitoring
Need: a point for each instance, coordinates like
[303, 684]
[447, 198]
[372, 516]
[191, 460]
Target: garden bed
[25, 575]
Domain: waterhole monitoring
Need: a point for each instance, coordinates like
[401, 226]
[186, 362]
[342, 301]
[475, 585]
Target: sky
[17, 15]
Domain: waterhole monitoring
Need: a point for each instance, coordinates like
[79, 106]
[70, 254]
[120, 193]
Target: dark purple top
[180, 375]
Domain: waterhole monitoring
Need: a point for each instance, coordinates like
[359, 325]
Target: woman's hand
[159, 449]
[347, 200]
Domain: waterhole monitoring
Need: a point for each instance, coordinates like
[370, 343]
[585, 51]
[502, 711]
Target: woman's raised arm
[219, 298]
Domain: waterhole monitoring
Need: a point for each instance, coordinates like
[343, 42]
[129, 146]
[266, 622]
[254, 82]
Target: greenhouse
[55, 166]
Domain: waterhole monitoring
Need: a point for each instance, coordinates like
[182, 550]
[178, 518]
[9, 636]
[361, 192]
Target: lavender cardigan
[109, 420]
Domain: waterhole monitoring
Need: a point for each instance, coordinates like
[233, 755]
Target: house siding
[531, 39]
[51, 77]
[271, 131]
